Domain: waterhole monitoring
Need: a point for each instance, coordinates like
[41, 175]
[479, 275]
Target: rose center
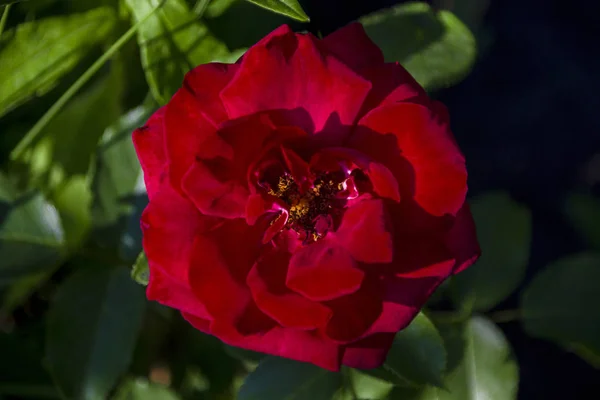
[311, 211]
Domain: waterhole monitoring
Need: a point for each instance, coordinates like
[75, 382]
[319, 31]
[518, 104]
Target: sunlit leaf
[118, 185]
[417, 356]
[141, 389]
[480, 366]
[289, 8]
[92, 327]
[365, 386]
[217, 7]
[140, 271]
[172, 42]
[278, 378]
[35, 55]
[560, 304]
[504, 233]
[434, 46]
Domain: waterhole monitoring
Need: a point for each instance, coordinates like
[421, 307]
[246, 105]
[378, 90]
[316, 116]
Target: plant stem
[200, 7]
[503, 316]
[39, 126]
[4, 18]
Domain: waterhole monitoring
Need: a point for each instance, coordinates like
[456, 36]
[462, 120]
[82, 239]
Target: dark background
[528, 120]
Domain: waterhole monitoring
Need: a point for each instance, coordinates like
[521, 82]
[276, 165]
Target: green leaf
[141, 271]
[31, 234]
[289, 8]
[172, 42]
[417, 356]
[35, 55]
[217, 7]
[141, 389]
[365, 386]
[434, 46]
[92, 328]
[244, 24]
[561, 302]
[52, 161]
[278, 378]
[504, 232]
[480, 366]
[118, 186]
[584, 213]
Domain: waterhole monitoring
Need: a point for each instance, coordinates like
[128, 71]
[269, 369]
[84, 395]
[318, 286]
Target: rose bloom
[305, 201]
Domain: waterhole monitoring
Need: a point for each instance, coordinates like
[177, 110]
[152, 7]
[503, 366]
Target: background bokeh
[524, 111]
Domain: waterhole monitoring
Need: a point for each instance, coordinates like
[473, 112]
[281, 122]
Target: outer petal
[305, 346]
[176, 294]
[420, 266]
[150, 148]
[365, 232]
[267, 284]
[169, 225]
[323, 271]
[462, 240]
[423, 156]
[351, 45]
[290, 72]
[186, 129]
[205, 82]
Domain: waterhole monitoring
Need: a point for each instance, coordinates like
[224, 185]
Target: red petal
[205, 82]
[267, 284]
[149, 145]
[305, 346]
[422, 265]
[392, 84]
[365, 232]
[289, 72]
[203, 325]
[435, 175]
[323, 271]
[351, 45]
[221, 260]
[369, 352]
[169, 225]
[462, 240]
[186, 130]
[226, 199]
[175, 294]
[355, 313]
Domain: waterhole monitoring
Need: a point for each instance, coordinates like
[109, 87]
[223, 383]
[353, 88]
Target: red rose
[305, 201]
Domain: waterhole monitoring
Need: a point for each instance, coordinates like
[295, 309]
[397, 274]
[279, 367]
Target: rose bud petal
[305, 201]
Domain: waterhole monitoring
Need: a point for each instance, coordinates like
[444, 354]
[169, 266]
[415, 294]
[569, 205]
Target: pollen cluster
[305, 206]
